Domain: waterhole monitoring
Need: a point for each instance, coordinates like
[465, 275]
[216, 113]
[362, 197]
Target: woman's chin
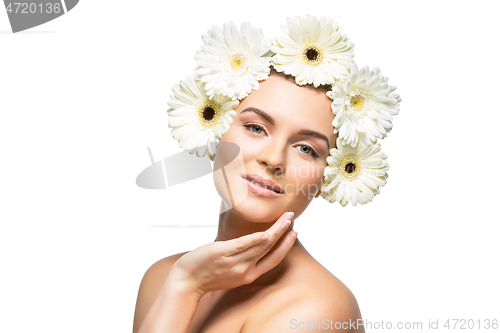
[257, 212]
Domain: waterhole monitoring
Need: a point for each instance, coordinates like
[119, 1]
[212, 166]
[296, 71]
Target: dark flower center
[312, 54]
[350, 167]
[208, 113]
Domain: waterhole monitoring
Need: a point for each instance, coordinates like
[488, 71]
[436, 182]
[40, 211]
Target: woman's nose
[273, 155]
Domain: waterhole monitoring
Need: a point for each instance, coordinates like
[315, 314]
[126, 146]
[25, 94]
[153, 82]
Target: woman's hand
[232, 263]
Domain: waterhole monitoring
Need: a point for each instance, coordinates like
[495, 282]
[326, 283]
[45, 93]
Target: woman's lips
[261, 186]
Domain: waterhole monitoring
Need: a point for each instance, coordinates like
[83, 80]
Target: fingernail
[291, 215]
[265, 236]
[293, 235]
[285, 224]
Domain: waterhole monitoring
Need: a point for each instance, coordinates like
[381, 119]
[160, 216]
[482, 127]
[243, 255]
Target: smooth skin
[216, 266]
[256, 276]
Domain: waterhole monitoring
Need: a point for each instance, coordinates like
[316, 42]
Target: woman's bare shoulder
[162, 267]
[150, 286]
[310, 294]
[155, 275]
[317, 280]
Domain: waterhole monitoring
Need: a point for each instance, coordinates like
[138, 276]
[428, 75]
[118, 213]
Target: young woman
[285, 119]
[256, 276]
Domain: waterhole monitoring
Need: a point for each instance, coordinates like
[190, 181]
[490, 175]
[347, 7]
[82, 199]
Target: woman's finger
[268, 246]
[273, 258]
[285, 229]
[259, 250]
[241, 244]
[234, 246]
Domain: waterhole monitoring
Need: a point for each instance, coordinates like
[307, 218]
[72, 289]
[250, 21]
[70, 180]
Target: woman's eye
[308, 150]
[254, 128]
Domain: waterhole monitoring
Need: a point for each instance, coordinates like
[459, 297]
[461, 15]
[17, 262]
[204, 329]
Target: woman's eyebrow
[271, 120]
[315, 134]
[260, 113]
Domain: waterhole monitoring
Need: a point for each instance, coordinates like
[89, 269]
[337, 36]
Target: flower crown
[230, 65]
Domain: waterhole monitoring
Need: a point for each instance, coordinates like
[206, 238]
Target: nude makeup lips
[261, 186]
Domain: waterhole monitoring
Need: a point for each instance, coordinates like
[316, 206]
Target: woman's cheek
[311, 183]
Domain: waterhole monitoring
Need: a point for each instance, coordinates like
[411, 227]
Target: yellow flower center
[358, 103]
[312, 54]
[208, 113]
[238, 64]
[350, 167]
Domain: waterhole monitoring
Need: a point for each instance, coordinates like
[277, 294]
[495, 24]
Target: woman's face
[285, 133]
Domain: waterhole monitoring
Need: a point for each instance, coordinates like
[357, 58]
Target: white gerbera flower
[364, 106]
[233, 62]
[354, 174]
[196, 119]
[313, 51]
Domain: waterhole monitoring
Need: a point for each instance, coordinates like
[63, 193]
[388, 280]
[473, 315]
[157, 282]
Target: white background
[83, 96]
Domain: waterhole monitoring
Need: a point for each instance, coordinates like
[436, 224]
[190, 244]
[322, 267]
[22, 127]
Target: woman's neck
[233, 226]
